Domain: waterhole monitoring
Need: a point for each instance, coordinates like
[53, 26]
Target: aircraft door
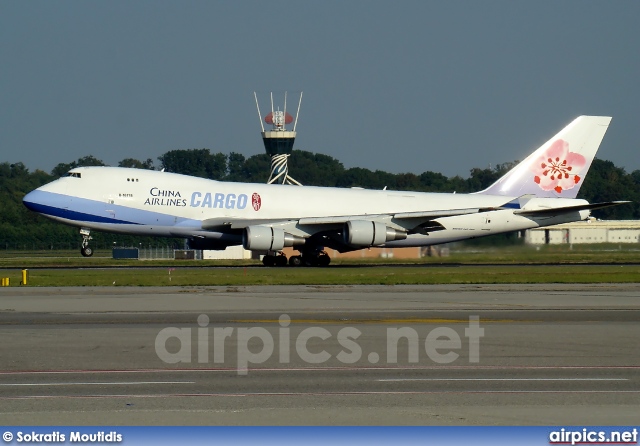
[110, 209]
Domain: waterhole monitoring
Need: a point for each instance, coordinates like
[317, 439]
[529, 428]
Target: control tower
[278, 141]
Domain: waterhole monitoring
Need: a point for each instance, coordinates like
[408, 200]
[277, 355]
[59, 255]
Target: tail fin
[558, 167]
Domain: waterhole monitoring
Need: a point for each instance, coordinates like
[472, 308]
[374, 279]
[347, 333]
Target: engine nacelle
[266, 238]
[370, 233]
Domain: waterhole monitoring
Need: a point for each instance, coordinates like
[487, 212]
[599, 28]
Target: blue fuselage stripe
[85, 210]
[72, 215]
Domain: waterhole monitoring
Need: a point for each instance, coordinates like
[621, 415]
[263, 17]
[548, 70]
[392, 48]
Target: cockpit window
[74, 174]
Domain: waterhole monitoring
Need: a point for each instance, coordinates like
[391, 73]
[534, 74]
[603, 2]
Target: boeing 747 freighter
[539, 191]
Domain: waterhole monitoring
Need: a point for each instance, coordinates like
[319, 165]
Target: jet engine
[370, 233]
[266, 238]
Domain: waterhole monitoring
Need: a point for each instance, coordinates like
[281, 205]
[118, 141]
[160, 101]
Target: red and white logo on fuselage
[256, 201]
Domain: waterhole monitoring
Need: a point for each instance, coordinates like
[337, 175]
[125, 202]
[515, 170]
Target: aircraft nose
[31, 200]
[38, 201]
[49, 200]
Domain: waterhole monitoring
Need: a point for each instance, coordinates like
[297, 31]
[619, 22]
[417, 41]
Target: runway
[457, 354]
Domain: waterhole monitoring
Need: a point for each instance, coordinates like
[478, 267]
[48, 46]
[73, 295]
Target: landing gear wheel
[295, 261]
[315, 258]
[274, 260]
[85, 249]
[324, 259]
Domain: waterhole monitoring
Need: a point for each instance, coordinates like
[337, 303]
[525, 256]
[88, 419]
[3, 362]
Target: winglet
[558, 167]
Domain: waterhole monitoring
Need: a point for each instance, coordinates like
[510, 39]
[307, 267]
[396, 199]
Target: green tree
[256, 168]
[314, 169]
[407, 181]
[137, 164]
[606, 182]
[480, 179]
[434, 182]
[61, 169]
[235, 167]
[196, 162]
[355, 177]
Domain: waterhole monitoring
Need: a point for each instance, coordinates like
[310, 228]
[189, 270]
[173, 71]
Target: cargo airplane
[539, 191]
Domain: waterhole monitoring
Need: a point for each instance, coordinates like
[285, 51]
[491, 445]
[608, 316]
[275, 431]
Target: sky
[405, 86]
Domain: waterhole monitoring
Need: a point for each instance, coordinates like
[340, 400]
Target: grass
[345, 275]
[522, 254]
[546, 264]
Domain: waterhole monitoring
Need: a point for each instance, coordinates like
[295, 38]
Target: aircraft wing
[221, 224]
[421, 222]
[403, 220]
[429, 215]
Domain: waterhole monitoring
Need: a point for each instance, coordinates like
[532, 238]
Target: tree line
[20, 228]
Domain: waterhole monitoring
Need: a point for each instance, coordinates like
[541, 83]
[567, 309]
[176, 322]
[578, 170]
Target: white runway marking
[124, 383]
[327, 394]
[322, 369]
[501, 379]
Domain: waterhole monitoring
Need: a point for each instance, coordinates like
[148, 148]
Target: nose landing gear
[85, 249]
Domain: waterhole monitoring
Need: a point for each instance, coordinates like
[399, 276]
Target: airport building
[590, 231]
[232, 252]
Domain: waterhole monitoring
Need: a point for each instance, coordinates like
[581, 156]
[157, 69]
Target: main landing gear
[275, 259]
[307, 258]
[85, 249]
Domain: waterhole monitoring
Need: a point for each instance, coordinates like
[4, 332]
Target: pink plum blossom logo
[557, 168]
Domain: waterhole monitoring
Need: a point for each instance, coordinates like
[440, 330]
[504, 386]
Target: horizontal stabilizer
[518, 203]
[567, 209]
